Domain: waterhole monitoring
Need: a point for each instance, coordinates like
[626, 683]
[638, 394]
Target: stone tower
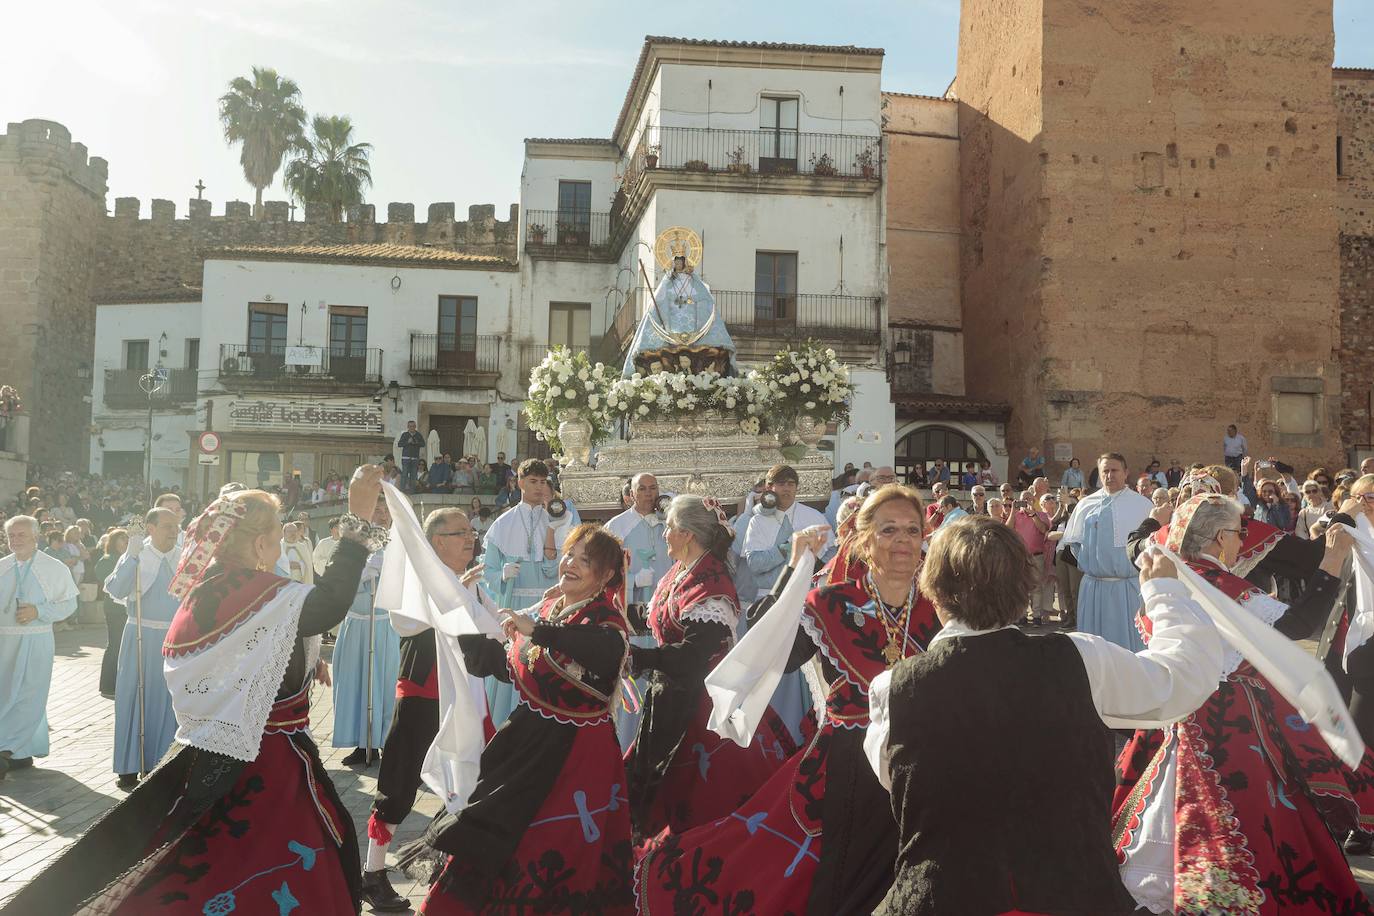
[52, 209]
[1150, 240]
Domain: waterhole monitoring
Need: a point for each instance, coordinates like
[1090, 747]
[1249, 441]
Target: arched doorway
[921, 447]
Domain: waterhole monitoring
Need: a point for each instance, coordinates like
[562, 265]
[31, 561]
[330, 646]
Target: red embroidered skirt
[574, 857]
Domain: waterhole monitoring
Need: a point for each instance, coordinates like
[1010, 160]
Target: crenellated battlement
[46, 152]
[152, 251]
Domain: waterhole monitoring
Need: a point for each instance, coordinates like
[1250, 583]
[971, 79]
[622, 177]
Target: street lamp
[899, 358]
[151, 383]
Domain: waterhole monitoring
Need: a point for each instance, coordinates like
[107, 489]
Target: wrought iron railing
[566, 230]
[280, 364]
[761, 152]
[455, 353]
[123, 391]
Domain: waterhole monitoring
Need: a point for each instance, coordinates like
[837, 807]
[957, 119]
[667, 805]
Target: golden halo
[674, 242]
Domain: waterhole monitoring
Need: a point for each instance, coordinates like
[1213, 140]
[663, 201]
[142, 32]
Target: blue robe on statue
[642, 536]
[152, 570]
[684, 306]
[351, 667]
[26, 650]
[517, 537]
[1109, 596]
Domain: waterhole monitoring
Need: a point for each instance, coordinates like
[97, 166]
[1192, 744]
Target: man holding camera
[768, 539]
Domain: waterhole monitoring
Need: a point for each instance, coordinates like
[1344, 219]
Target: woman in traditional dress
[547, 829]
[818, 837]
[1231, 810]
[681, 773]
[244, 819]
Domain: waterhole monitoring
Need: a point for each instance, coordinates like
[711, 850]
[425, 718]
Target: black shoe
[127, 780]
[1359, 843]
[361, 757]
[20, 763]
[378, 893]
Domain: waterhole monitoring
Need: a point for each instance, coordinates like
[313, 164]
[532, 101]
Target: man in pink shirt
[1033, 524]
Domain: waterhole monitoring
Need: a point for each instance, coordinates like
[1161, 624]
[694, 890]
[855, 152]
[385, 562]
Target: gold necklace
[896, 629]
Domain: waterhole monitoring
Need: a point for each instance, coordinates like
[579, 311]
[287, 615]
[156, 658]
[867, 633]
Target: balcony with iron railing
[305, 367]
[763, 323]
[757, 152]
[567, 235]
[449, 360]
[123, 390]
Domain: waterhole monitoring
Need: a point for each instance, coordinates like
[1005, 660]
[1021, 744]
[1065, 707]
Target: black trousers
[414, 724]
[115, 617]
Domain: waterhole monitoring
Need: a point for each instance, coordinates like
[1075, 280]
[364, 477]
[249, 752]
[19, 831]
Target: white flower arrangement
[567, 380]
[808, 381]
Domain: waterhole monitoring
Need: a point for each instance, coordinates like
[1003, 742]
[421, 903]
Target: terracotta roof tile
[650, 40]
[416, 255]
[917, 95]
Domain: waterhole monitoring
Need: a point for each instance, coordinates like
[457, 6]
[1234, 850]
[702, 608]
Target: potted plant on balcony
[823, 165]
[738, 165]
[866, 162]
[538, 232]
[651, 156]
[696, 165]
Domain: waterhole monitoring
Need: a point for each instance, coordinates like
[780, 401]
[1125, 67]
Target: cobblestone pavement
[47, 807]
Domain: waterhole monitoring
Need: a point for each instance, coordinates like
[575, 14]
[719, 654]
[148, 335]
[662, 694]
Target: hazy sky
[445, 91]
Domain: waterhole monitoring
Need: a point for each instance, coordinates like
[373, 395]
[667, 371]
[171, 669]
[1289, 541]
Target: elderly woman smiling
[950, 727]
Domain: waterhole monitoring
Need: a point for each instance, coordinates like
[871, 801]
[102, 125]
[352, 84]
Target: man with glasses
[415, 721]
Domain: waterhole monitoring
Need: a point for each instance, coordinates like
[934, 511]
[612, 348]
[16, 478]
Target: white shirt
[324, 551]
[1235, 446]
[1146, 689]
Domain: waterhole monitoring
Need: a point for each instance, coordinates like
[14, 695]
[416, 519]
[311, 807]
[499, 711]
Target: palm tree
[264, 114]
[329, 168]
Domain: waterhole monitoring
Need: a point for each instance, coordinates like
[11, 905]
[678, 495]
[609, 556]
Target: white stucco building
[313, 358]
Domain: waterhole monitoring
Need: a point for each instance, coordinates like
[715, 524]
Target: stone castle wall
[52, 204]
[1139, 288]
[162, 256]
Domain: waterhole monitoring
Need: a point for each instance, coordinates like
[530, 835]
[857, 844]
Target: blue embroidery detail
[590, 831]
[756, 822]
[224, 903]
[1297, 723]
[285, 901]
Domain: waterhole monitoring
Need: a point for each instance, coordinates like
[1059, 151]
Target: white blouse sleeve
[715, 609]
[875, 738]
[1166, 682]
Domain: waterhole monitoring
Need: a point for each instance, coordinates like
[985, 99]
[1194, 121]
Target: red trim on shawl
[1259, 538]
[845, 565]
[707, 579]
[850, 647]
[218, 607]
[538, 672]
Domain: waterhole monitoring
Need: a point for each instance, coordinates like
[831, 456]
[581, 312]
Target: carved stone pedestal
[707, 455]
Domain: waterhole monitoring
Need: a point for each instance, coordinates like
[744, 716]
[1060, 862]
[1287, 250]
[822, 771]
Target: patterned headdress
[1178, 525]
[1201, 482]
[713, 504]
[204, 539]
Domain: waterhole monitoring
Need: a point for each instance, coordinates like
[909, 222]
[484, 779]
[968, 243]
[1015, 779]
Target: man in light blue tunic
[36, 591]
[520, 563]
[679, 324]
[1109, 597]
[142, 578]
[767, 546]
[367, 656]
[640, 529]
